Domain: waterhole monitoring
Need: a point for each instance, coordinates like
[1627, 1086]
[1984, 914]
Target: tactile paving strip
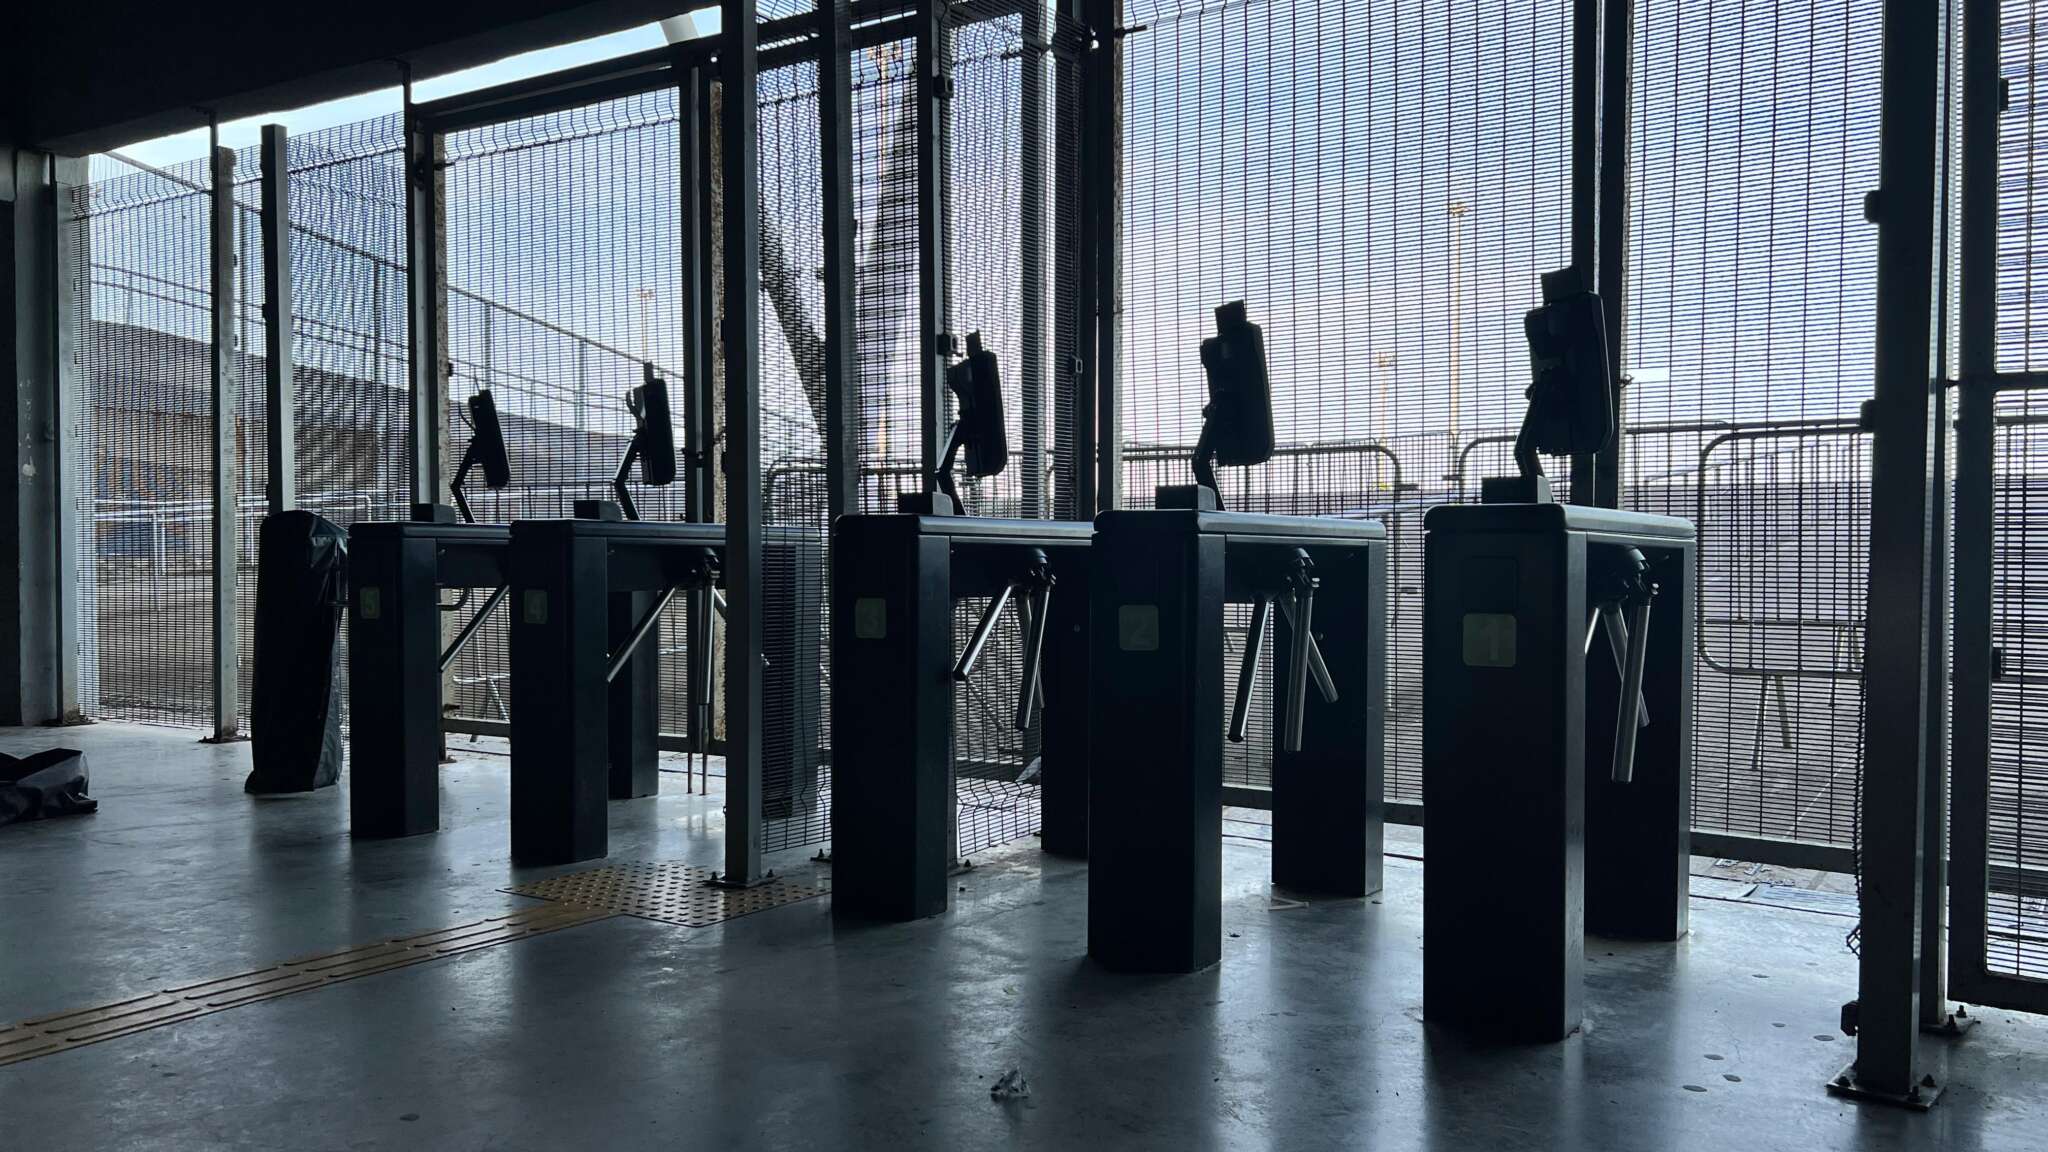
[668, 892]
[49, 1034]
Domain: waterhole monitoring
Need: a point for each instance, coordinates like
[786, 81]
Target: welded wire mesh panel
[795, 778]
[350, 326]
[1383, 185]
[2022, 343]
[1752, 281]
[885, 277]
[2016, 907]
[563, 284]
[145, 542]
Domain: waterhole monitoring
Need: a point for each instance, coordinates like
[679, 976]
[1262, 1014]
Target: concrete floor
[782, 1030]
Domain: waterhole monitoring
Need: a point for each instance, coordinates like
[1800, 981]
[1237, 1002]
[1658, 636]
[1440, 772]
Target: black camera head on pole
[486, 450]
[977, 387]
[652, 429]
[1571, 387]
[1237, 422]
[653, 443]
[978, 432]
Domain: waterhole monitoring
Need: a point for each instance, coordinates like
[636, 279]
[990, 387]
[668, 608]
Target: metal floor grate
[669, 892]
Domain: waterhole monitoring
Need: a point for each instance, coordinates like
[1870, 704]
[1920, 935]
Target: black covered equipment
[487, 446]
[1239, 417]
[48, 783]
[301, 585]
[1571, 393]
[978, 390]
[651, 427]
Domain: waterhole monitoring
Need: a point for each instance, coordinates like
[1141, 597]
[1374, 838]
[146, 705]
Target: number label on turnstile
[533, 606]
[870, 618]
[1489, 640]
[1137, 627]
[370, 602]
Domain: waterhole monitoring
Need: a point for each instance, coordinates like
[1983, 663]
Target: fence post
[426, 301]
[77, 691]
[221, 263]
[1617, 48]
[740, 156]
[932, 89]
[279, 406]
[835, 149]
[1031, 235]
[1900, 415]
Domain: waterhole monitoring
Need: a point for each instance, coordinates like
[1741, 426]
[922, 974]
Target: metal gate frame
[1971, 877]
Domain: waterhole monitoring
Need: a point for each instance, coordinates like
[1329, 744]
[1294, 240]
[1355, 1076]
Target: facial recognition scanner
[978, 433]
[653, 445]
[486, 450]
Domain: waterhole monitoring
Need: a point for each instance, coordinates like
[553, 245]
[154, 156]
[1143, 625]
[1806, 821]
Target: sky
[165, 151]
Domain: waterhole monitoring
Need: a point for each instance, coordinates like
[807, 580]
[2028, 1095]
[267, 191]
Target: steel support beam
[222, 465]
[934, 86]
[1902, 417]
[1617, 51]
[1073, 416]
[1100, 444]
[1032, 251]
[31, 601]
[835, 152]
[700, 296]
[427, 304]
[1935, 1011]
[73, 307]
[740, 154]
[1585, 182]
[281, 491]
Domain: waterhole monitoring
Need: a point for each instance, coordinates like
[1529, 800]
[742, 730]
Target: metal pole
[426, 301]
[933, 89]
[700, 323]
[1586, 59]
[1901, 416]
[73, 309]
[1934, 1006]
[693, 99]
[221, 253]
[1073, 419]
[1975, 443]
[281, 426]
[1617, 52]
[1101, 222]
[740, 154]
[835, 152]
[1031, 237]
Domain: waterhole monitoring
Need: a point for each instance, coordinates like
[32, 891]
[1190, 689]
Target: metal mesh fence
[1383, 185]
[146, 572]
[563, 280]
[2016, 929]
[795, 778]
[1750, 341]
[146, 557]
[350, 327]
